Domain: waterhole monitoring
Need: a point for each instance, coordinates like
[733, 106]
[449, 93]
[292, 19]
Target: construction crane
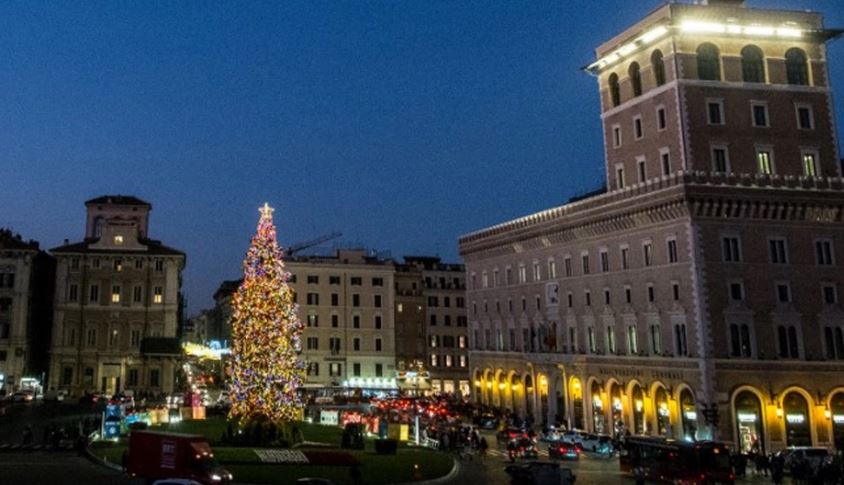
[294, 248]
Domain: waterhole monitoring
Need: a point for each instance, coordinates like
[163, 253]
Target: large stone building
[708, 277]
[117, 304]
[26, 290]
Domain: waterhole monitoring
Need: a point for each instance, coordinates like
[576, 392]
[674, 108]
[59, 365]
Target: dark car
[509, 434]
[487, 421]
[563, 451]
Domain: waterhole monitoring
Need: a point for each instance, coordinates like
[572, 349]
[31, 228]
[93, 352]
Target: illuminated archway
[749, 420]
[688, 414]
[576, 395]
[663, 413]
[529, 395]
[599, 419]
[637, 402]
[798, 419]
[616, 397]
[836, 415]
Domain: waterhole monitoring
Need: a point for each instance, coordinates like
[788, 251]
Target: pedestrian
[483, 445]
[777, 469]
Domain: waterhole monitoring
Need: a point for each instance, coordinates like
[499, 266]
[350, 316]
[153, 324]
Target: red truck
[155, 455]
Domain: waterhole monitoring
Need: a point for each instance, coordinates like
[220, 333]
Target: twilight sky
[402, 124]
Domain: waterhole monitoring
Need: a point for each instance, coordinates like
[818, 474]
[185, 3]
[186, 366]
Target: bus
[669, 461]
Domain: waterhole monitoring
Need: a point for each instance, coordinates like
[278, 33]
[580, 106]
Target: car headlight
[216, 477]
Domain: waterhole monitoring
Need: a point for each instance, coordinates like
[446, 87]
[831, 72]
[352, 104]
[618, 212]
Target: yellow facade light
[639, 405]
[779, 412]
[827, 414]
[501, 386]
[477, 383]
[514, 387]
[489, 384]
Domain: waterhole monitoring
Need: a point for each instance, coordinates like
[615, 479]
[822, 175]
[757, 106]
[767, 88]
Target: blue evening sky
[403, 124]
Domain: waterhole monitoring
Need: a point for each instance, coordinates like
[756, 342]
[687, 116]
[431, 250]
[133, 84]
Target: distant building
[117, 304]
[700, 297]
[26, 290]
[445, 326]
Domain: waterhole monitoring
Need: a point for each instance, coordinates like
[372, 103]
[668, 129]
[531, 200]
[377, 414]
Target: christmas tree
[265, 371]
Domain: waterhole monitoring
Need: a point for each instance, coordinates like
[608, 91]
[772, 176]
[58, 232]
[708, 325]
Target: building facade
[26, 289]
[117, 304]
[446, 326]
[699, 296]
[346, 303]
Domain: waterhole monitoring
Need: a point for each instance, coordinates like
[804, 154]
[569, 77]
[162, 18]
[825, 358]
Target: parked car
[595, 442]
[815, 456]
[55, 395]
[563, 451]
[23, 396]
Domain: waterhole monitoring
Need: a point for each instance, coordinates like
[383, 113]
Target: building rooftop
[118, 200]
[154, 247]
[14, 241]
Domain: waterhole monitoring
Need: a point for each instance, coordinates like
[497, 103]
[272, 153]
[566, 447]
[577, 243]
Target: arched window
[635, 79]
[708, 62]
[796, 67]
[658, 67]
[752, 64]
[615, 92]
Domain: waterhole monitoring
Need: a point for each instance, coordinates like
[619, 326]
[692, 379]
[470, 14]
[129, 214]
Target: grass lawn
[375, 469]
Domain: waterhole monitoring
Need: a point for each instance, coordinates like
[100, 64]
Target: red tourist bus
[682, 462]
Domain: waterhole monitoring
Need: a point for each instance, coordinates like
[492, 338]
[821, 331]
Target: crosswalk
[503, 453]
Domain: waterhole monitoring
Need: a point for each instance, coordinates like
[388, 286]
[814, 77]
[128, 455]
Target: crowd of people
[802, 469]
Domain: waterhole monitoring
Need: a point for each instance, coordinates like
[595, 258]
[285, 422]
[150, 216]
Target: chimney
[66, 242]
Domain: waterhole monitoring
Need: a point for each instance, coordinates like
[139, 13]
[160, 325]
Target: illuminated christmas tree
[265, 371]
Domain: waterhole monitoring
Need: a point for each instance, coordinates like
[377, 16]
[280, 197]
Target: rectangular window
[611, 340]
[810, 164]
[333, 280]
[665, 160]
[91, 337]
[67, 376]
[378, 345]
[805, 117]
[355, 321]
[628, 294]
[715, 112]
[313, 279]
[355, 300]
[139, 264]
[731, 247]
[651, 294]
[736, 291]
[605, 261]
[672, 251]
[356, 344]
[570, 299]
[113, 338]
[823, 252]
[135, 338]
[740, 345]
[377, 281]
[783, 293]
[587, 295]
[335, 321]
[830, 294]
[648, 253]
[632, 340]
[625, 257]
[73, 293]
[313, 320]
[434, 360]
[640, 165]
[760, 115]
[680, 345]
[115, 294]
[118, 264]
[616, 136]
[656, 340]
[606, 296]
[567, 265]
[675, 289]
[312, 298]
[356, 281]
[137, 294]
[378, 322]
[720, 159]
[379, 370]
[376, 301]
[638, 133]
[356, 369]
[536, 274]
[660, 118]
[132, 377]
[335, 299]
[619, 176]
[765, 161]
[94, 293]
[157, 295]
[159, 265]
[590, 336]
[778, 254]
[585, 263]
[552, 269]
[313, 343]
[74, 264]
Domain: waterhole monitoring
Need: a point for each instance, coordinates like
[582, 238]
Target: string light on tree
[265, 371]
